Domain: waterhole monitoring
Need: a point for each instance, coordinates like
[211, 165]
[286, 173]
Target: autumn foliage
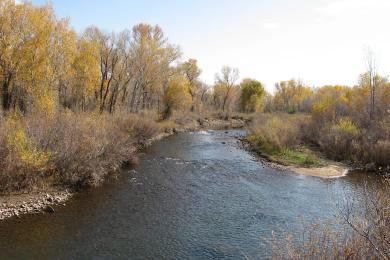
[338, 120]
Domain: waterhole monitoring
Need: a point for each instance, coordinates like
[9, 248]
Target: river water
[193, 196]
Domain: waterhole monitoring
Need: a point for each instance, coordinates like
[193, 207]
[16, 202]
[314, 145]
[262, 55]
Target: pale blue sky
[318, 41]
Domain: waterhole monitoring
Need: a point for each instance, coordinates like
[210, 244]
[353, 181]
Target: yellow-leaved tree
[177, 95]
[36, 53]
[86, 73]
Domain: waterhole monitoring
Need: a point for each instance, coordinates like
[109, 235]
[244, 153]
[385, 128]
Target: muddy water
[193, 196]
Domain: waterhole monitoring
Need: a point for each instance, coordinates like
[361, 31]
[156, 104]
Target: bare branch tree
[372, 78]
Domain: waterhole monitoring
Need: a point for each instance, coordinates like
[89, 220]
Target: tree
[192, 73]
[177, 95]
[36, 51]
[372, 80]
[86, 67]
[123, 73]
[64, 53]
[225, 83]
[292, 96]
[252, 95]
[109, 61]
[153, 57]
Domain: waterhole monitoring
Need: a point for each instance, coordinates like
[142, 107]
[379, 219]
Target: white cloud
[343, 6]
[271, 26]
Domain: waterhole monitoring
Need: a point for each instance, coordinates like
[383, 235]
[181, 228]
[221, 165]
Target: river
[193, 196]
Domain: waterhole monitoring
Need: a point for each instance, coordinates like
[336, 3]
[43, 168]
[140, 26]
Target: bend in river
[193, 196]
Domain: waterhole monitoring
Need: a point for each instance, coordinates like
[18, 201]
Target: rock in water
[49, 209]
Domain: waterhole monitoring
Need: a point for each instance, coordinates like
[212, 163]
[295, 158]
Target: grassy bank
[298, 140]
[299, 156]
[279, 139]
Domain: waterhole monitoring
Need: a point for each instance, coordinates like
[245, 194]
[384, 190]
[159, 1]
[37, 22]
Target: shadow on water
[193, 196]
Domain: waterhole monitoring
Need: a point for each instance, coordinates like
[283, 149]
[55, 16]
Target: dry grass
[280, 131]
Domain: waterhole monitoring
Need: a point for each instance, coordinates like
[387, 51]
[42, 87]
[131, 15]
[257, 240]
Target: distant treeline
[347, 123]
[46, 66]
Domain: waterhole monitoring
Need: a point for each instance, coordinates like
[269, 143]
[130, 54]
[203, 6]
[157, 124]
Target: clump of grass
[304, 158]
[298, 156]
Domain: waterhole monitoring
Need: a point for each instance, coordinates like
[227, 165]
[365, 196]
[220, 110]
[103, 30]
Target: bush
[376, 143]
[380, 153]
[340, 140]
[72, 149]
[22, 160]
[277, 131]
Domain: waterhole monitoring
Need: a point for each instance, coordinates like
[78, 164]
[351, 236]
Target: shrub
[72, 149]
[22, 160]
[87, 148]
[277, 131]
[340, 140]
[376, 143]
[380, 153]
[139, 128]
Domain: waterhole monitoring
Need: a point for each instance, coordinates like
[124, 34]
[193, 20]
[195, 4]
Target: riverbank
[332, 170]
[202, 183]
[302, 161]
[38, 202]
[44, 200]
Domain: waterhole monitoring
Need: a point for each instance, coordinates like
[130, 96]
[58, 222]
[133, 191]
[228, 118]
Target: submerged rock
[49, 209]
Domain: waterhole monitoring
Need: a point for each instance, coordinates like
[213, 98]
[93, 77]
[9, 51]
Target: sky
[320, 42]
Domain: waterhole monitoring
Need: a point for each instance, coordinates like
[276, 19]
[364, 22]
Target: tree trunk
[6, 96]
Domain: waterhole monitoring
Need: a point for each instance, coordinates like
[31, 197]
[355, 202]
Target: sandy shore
[329, 171]
[332, 170]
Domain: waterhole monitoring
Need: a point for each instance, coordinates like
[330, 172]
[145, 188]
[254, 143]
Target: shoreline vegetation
[300, 160]
[303, 163]
[297, 143]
